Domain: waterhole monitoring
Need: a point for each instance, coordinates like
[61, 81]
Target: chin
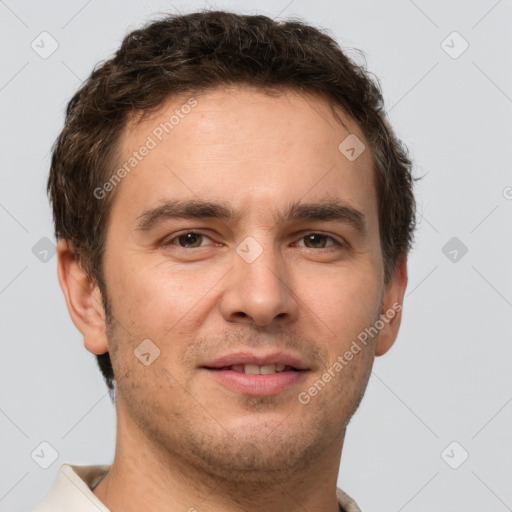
[260, 452]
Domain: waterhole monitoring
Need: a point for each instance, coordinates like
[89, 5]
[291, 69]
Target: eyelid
[340, 243]
[168, 241]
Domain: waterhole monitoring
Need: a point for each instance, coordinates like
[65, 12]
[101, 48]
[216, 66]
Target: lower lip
[257, 385]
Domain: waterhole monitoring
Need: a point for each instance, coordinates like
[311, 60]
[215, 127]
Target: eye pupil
[189, 239]
[319, 239]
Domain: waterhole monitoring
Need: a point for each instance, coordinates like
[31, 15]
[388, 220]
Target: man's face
[275, 282]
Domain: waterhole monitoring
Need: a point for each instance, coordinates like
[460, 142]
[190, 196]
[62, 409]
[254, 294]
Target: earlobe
[391, 313]
[83, 299]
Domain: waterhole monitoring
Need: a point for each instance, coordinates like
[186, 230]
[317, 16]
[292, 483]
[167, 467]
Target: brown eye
[316, 240]
[188, 240]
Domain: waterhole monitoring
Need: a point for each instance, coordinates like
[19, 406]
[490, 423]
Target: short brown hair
[193, 53]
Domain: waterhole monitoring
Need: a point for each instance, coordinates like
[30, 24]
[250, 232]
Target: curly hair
[196, 52]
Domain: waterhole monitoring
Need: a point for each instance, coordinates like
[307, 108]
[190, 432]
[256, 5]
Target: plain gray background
[447, 379]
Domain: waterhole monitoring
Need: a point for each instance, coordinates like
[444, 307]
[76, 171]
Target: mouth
[253, 375]
[254, 369]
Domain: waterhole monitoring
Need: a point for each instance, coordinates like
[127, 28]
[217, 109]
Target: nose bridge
[259, 289]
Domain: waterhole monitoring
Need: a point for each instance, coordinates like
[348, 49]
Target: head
[224, 184]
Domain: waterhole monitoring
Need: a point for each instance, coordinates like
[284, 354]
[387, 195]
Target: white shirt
[71, 491]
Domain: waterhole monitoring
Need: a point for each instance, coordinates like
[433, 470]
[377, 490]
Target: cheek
[155, 300]
[343, 304]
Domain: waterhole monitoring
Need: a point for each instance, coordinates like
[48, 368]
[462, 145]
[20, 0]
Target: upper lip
[258, 359]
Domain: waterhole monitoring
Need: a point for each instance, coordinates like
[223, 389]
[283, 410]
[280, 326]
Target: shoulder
[348, 504]
[72, 487]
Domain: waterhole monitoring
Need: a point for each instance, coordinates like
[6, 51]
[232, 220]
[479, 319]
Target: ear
[83, 299]
[391, 313]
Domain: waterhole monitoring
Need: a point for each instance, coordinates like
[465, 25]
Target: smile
[254, 369]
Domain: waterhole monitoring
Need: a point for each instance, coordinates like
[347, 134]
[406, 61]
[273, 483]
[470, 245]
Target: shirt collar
[72, 491]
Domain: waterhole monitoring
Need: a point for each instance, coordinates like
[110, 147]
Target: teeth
[268, 369]
[254, 369]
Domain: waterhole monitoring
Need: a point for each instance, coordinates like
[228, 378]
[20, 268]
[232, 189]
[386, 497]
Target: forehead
[247, 147]
[239, 111]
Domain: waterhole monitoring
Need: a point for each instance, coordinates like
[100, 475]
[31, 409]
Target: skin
[184, 441]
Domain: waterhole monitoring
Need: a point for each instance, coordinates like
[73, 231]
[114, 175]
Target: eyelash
[171, 240]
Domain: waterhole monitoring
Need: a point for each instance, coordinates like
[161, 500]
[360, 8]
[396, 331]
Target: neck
[147, 476]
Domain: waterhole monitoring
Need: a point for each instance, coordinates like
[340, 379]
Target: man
[233, 216]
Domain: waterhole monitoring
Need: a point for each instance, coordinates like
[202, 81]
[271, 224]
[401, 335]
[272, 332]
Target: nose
[259, 292]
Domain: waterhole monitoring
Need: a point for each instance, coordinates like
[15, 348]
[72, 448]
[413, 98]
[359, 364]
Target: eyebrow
[330, 211]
